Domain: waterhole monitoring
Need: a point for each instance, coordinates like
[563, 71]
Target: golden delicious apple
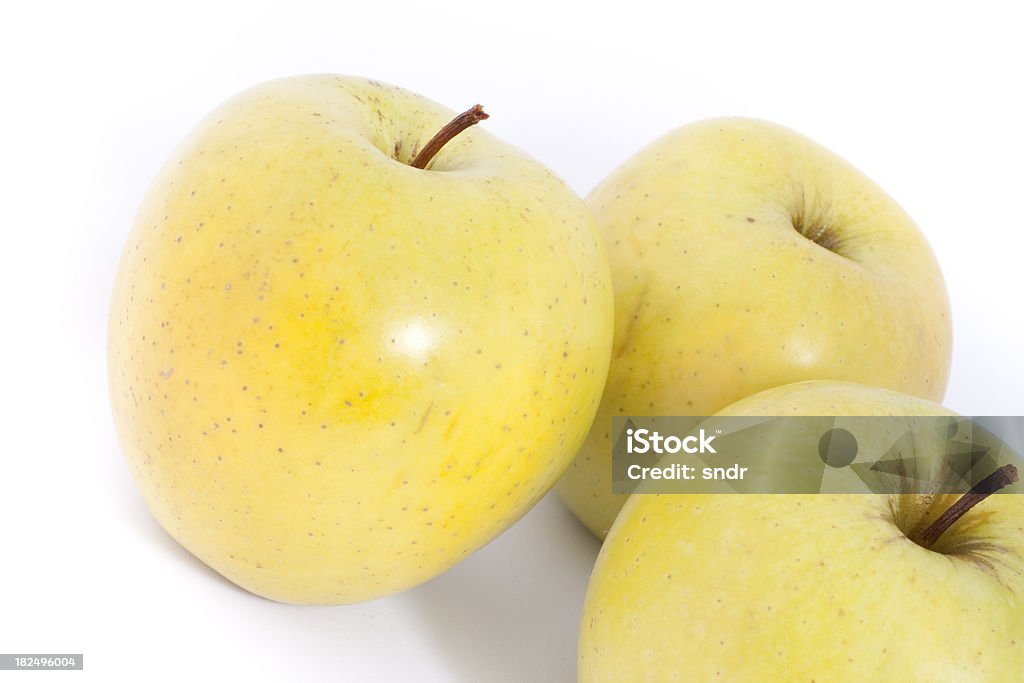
[745, 256]
[335, 373]
[837, 588]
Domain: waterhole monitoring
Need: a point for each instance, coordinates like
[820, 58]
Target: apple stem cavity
[1001, 478]
[470, 117]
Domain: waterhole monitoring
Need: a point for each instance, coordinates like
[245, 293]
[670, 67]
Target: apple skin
[719, 296]
[335, 375]
[765, 588]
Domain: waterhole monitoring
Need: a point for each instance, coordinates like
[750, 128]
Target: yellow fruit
[767, 588]
[335, 375]
[745, 256]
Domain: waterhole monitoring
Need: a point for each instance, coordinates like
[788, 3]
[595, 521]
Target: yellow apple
[766, 588]
[745, 256]
[335, 374]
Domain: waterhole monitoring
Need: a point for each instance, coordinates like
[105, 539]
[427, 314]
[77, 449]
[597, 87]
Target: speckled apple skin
[334, 375]
[745, 256]
[827, 588]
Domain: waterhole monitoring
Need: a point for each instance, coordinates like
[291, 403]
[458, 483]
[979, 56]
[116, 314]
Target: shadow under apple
[511, 611]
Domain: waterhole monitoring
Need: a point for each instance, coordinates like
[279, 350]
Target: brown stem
[470, 117]
[1002, 477]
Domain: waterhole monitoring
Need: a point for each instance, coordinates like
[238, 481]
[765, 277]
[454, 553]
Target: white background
[925, 100]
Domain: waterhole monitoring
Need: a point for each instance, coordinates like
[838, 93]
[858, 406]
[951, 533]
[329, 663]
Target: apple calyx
[470, 117]
[1001, 478]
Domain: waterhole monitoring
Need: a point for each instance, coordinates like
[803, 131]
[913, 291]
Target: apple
[351, 342]
[745, 256]
[837, 588]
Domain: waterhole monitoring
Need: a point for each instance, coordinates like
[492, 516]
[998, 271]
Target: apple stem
[1002, 477]
[470, 117]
